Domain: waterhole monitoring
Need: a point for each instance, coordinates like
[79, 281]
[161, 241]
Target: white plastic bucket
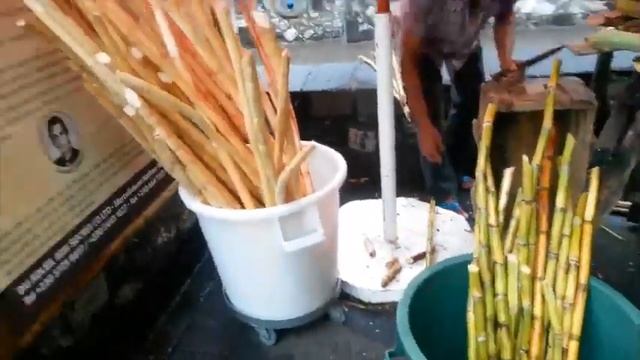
[279, 263]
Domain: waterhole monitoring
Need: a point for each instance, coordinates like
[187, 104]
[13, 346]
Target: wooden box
[519, 118]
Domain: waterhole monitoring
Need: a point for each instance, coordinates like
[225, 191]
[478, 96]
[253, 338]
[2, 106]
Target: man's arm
[429, 138]
[504, 35]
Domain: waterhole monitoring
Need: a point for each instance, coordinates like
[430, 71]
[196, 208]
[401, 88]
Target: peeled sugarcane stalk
[254, 119]
[572, 272]
[503, 199]
[283, 114]
[431, 247]
[585, 265]
[289, 170]
[560, 208]
[393, 269]
[476, 292]
[510, 235]
[541, 247]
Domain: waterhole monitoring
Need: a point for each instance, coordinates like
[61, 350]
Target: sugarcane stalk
[475, 289]
[585, 265]
[289, 170]
[431, 247]
[524, 328]
[254, 119]
[503, 199]
[393, 269]
[572, 273]
[510, 235]
[512, 293]
[543, 146]
[526, 209]
[549, 108]
[563, 256]
[553, 310]
[560, 208]
[472, 348]
[500, 280]
[482, 218]
[283, 114]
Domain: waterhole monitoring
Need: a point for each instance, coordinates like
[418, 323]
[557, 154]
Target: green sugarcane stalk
[585, 265]
[531, 238]
[524, 328]
[549, 108]
[481, 211]
[537, 337]
[554, 316]
[506, 344]
[563, 256]
[472, 345]
[572, 273]
[526, 208]
[512, 293]
[475, 289]
[510, 235]
[560, 209]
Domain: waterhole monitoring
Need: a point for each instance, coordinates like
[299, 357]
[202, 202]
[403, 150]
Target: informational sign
[71, 178]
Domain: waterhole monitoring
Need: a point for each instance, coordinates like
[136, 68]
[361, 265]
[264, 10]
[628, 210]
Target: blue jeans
[441, 180]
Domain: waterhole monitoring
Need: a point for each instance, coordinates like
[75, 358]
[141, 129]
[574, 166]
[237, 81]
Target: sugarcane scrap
[431, 247]
[189, 90]
[369, 247]
[417, 257]
[393, 269]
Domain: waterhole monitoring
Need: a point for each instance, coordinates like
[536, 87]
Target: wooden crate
[519, 118]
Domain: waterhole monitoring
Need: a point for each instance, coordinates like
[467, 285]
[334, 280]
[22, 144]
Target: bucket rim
[200, 208]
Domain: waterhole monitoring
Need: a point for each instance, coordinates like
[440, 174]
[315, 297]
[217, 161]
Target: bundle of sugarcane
[174, 74]
[528, 280]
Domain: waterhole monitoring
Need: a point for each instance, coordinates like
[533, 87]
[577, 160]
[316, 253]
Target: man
[59, 135]
[447, 31]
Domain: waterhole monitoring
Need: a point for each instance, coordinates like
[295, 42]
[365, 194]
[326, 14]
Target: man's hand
[511, 72]
[430, 143]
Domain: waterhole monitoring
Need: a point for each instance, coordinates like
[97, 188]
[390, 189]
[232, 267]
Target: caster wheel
[267, 337]
[337, 314]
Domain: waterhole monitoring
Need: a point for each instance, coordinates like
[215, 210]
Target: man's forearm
[504, 37]
[413, 89]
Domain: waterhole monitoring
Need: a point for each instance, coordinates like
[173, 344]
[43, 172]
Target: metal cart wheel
[337, 314]
[267, 336]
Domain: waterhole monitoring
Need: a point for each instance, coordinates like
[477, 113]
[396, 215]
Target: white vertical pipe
[386, 125]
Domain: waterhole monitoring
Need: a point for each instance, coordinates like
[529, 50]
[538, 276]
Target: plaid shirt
[450, 29]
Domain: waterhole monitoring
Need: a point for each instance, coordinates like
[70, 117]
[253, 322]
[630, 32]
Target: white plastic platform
[362, 275]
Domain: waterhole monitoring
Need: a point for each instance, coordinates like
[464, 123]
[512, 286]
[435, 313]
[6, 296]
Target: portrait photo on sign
[59, 137]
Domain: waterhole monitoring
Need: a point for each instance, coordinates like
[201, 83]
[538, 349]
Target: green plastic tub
[431, 318]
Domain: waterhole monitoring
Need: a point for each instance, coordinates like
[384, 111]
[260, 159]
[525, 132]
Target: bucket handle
[315, 237]
[307, 230]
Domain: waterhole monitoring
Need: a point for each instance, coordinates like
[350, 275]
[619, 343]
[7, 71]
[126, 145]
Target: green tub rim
[406, 343]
